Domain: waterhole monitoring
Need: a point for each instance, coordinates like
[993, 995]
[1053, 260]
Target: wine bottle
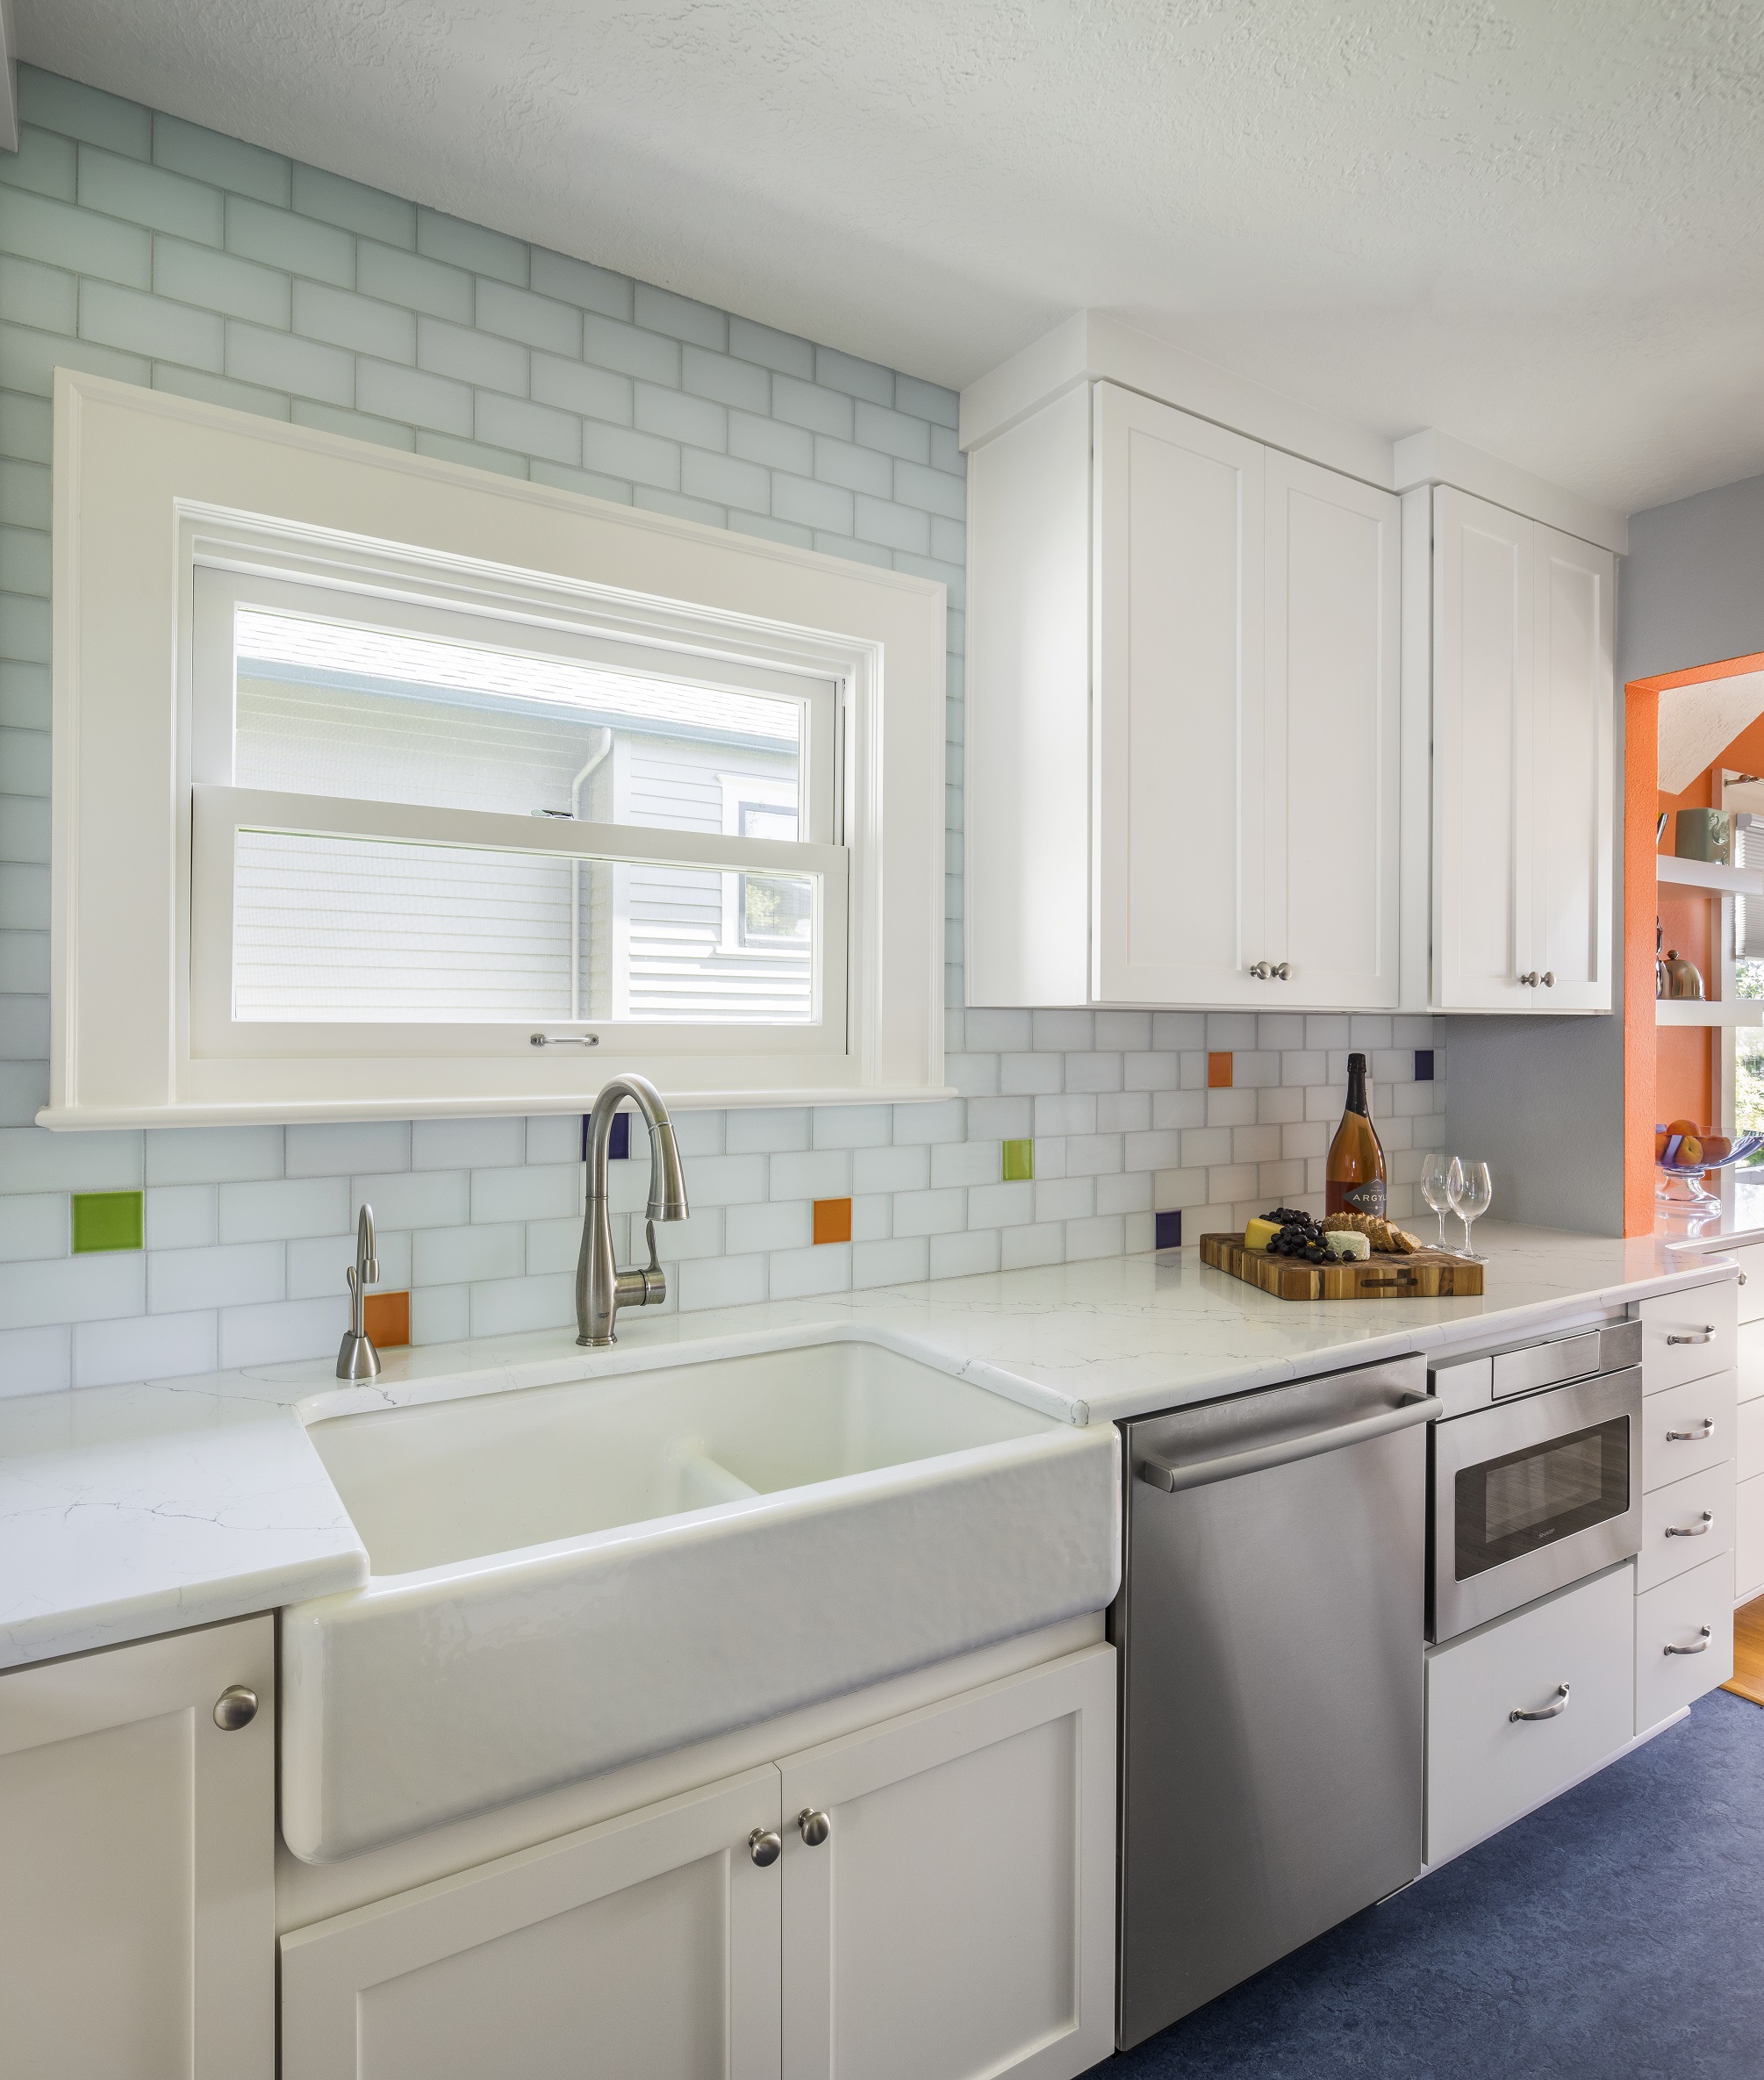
[1354, 1174]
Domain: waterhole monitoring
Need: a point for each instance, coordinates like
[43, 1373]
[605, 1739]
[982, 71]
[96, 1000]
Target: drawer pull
[1691, 1531]
[1700, 1644]
[1554, 1709]
[1692, 1437]
[1707, 1337]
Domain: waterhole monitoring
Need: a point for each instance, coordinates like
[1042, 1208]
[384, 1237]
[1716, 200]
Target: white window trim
[148, 485]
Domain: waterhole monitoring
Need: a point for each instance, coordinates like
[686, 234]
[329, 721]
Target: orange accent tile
[833, 1219]
[1218, 1072]
[387, 1319]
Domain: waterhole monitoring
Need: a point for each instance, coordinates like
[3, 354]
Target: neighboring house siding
[310, 299]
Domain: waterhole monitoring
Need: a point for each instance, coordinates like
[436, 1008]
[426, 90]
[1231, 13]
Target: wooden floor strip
[1748, 1653]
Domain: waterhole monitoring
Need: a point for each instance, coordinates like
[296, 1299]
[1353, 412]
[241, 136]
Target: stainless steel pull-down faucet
[601, 1288]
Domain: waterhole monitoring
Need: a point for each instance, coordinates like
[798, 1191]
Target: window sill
[294, 1112]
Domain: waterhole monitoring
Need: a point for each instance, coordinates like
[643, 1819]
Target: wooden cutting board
[1426, 1274]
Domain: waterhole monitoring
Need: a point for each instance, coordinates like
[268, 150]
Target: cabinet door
[1683, 1641]
[1484, 1767]
[1177, 830]
[1333, 738]
[1484, 663]
[1570, 765]
[958, 1920]
[137, 1862]
[647, 1945]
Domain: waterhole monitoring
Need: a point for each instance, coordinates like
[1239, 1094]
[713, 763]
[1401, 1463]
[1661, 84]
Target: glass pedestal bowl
[1680, 1184]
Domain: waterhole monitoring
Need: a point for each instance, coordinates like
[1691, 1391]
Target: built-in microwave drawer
[1560, 1358]
[1688, 1428]
[1687, 1334]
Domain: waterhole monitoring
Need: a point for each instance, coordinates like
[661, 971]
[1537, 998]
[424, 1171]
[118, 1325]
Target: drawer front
[1750, 1346]
[1485, 1768]
[1688, 1428]
[1683, 1641]
[1748, 1539]
[1685, 1524]
[1687, 1335]
[1748, 1438]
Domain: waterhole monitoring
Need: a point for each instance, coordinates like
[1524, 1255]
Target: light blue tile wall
[145, 249]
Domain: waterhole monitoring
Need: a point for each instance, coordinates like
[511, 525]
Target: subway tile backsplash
[146, 248]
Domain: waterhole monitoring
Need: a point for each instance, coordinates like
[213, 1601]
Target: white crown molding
[1095, 347]
[1433, 457]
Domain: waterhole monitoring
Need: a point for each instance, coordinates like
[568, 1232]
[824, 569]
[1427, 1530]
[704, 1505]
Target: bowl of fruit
[1683, 1153]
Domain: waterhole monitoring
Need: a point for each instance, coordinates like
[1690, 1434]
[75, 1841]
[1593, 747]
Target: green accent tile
[1019, 1161]
[107, 1221]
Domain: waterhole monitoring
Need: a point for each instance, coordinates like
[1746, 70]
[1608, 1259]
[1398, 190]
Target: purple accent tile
[1168, 1229]
[1423, 1065]
[617, 1142]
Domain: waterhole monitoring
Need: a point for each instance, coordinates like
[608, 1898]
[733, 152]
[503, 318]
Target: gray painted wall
[1693, 582]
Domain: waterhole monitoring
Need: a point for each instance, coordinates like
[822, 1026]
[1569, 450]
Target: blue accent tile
[1167, 1231]
[617, 1142]
[1423, 1065]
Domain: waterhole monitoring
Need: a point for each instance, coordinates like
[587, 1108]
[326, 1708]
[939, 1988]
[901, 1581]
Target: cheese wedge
[1260, 1234]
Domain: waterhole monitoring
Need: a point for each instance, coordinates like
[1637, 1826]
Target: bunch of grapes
[1300, 1236]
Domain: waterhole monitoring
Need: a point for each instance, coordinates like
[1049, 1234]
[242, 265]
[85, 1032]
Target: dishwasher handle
[1201, 1472]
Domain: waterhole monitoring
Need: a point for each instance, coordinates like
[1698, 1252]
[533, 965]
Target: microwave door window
[1504, 1508]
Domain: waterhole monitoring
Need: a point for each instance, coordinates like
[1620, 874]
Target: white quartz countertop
[130, 1510]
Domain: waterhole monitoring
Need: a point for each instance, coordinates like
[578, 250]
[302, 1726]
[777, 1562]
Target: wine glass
[1434, 1172]
[1472, 1189]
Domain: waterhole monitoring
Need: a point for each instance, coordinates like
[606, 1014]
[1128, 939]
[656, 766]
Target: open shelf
[1705, 874]
[1701, 1011]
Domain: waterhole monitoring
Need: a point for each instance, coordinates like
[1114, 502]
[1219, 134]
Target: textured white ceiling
[1533, 224]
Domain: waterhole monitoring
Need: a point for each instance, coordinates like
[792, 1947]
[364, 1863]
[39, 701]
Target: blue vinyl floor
[1617, 1934]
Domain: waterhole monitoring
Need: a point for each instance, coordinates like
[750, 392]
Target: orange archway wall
[1641, 890]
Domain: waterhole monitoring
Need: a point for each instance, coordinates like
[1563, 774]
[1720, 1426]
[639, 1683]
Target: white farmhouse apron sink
[565, 1579]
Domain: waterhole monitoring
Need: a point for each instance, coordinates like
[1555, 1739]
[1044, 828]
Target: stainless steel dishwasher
[1271, 1631]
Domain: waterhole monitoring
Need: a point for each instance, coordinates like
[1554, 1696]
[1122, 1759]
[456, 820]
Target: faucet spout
[601, 1287]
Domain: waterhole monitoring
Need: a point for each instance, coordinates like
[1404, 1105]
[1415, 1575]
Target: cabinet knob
[236, 1706]
[1700, 1645]
[1284, 971]
[765, 1846]
[1549, 979]
[1529, 978]
[814, 1827]
[1261, 971]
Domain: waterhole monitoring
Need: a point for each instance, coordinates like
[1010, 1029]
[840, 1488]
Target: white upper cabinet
[1523, 694]
[1210, 628]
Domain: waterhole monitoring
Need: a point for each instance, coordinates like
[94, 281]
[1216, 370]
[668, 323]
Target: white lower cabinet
[1485, 1767]
[1686, 1524]
[954, 1917]
[1683, 1642]
[137, 1862]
